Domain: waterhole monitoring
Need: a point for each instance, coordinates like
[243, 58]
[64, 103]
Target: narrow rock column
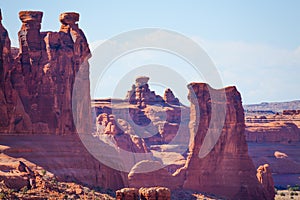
[226, 170]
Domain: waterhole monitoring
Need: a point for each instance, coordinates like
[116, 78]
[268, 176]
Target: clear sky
[254, 44]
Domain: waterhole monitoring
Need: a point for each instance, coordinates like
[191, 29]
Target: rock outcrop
[157, 193]
[227, 169]
[280, 132]
[141, 95]
[127, 194]
[37, 85]
[17, 176]
[143, 113]
[38, 95]
[264, 176]
[107, 126]
[64, 156]
[152, 173]
[291, 112]
[170, 98]
[152, 193]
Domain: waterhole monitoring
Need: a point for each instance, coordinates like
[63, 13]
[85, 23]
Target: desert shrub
[292, 193]
[24, 189]
[293, 188]
[44, 172]
[10, 191]
[282, 194]
[2, 195]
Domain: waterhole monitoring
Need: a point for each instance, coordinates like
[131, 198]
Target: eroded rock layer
[37, 84]
[37, 96]
[223, 167]
[227, 169]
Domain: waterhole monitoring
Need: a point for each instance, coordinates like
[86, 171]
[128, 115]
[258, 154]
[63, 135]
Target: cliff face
[38, 95]
[227, 169]
[37, 85]
[280, 132]
[218, 161]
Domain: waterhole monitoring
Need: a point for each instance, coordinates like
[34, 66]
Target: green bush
[2, 195]
[282, 194]
[293, 188]
[24, 189]
[44, 172]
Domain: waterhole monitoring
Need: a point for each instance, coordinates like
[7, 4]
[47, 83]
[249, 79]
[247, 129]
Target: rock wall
[226, 170]
[36, 95]
[37, 85]
[280, 132]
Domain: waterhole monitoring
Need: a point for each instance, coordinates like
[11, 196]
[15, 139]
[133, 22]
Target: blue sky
[254, 44]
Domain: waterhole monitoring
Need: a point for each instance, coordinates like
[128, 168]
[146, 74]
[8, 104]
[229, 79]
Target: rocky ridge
[221, 170]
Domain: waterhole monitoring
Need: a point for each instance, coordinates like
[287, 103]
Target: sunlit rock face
[226, 170]
[37, 83]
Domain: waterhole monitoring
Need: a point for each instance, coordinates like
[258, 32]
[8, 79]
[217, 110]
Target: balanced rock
[264, 176]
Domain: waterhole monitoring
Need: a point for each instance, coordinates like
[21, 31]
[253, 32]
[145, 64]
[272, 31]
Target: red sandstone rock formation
[282, 132]
[170, 98]
[107, 125]
[127, 194]
[152, 173]
[36, 93]
[162, 117]
[153, 193]
[17, 176]
[157, 193]
[291, 112]
[37, 85]
[141, 95]
[227, 169]
[264, 176]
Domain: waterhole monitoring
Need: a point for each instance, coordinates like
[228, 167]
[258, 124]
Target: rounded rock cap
[141, 80]
[26, 16]
[69, 17]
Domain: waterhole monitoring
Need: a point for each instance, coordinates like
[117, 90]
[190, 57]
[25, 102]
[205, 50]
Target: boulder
[155, 193]
[127, 194]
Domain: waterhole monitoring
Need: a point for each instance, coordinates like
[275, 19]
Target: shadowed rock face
[264, 176]
[36, 85]
[227, 169]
